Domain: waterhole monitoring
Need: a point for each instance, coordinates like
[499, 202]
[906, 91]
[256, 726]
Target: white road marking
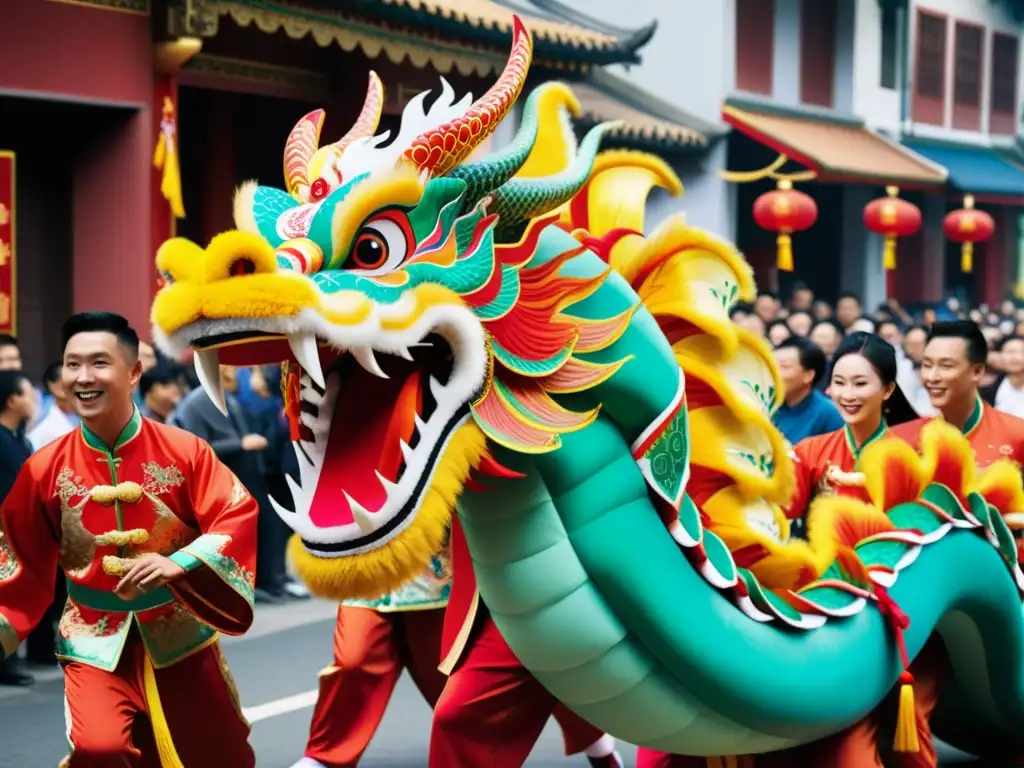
[280, 706]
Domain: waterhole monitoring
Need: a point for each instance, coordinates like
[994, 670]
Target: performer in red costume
[157, 539]
[492, 710]
[373, 641]
[863, 387]
[951, 369]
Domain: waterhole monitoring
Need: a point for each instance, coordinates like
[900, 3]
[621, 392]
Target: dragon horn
[442, 148]
[364, 126]
[519, 200]
[298, 150]
[494, 170]
[369, 116]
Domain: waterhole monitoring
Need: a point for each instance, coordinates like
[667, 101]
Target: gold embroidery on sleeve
[9, 565]
[161, 479]
[77, 545]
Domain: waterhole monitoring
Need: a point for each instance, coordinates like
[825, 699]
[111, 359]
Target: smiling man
[157, 540]
[951, 370]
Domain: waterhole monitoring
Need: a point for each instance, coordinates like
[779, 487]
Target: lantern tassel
[889, 253]
[967, 258]
[784, 260]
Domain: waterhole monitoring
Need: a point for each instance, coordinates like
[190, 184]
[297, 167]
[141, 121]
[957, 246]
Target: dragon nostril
[242, 267]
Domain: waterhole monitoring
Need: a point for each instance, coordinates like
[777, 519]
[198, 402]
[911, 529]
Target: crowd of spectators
[805, 331]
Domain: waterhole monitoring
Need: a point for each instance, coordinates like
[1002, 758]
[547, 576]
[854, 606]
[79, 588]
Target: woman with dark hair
[863, 387]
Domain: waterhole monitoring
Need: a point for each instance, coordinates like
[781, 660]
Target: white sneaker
[297, 590]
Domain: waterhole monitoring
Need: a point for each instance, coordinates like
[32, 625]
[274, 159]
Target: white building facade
[867, 93]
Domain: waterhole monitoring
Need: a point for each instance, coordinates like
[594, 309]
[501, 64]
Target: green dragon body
[494, 336]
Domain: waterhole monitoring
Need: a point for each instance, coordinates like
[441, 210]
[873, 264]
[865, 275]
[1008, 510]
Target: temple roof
[648, 121]
[559, 32]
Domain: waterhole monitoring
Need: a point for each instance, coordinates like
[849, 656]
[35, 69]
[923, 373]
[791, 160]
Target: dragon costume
[493, 336]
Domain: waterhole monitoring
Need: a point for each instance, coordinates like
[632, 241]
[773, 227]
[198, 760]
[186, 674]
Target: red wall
[75, 50]
[63, 51]
[113, 256]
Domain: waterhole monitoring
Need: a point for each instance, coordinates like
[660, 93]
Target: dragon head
[393, 280]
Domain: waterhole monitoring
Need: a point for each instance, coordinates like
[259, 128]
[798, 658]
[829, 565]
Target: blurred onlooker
[161, 393]
[241, 448]
[822, 310]
[17, 406]
[848, 309]
[800, 322]
[805, 411]
[1007, 394]
[777, 332]
[59, 418]
[754, 324]
[801, 299]
[826, 335]
[147, 356]
[10, 360]
[10, 353]
[767, 306]
[914, 341]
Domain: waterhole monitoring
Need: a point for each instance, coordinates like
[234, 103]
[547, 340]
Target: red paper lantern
[784, 210]
[891, 218]
[968, 226]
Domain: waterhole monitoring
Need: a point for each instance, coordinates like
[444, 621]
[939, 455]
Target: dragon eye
[380, 246]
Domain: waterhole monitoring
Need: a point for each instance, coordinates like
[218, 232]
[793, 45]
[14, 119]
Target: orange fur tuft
[948, 458]
[1002, 487]
[893, 473]
[844, 521]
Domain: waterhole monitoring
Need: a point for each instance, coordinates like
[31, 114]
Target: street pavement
[275, 666]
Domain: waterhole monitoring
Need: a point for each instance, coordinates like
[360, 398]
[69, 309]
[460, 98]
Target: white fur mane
[367, 156]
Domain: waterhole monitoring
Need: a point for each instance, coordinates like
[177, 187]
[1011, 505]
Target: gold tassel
[906, 718]
[785, 255]
[889, 253]
[165, 157]
[967, 258]
[161, 731]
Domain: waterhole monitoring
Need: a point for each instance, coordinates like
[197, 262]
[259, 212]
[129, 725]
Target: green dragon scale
[491, 335]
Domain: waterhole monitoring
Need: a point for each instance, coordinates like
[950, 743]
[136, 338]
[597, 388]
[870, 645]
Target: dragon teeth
[436, 389]
[207, 363]
[387, 484]
[365, 357]
[362, 516]
[404, 354]
[406, 450]
[304, 347]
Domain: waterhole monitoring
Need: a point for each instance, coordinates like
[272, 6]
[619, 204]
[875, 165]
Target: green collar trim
[975, 418]
[130, 431]
[854, 448]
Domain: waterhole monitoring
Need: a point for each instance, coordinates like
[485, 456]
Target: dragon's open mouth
[374, 421]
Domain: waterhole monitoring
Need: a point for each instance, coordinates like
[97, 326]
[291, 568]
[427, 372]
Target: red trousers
[492, 710]
[857, 746]
[107, 713]
[370, 651]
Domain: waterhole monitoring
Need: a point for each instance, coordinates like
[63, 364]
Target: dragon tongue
[372, 416]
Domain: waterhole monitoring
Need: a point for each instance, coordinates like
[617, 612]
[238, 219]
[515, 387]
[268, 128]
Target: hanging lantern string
[770, 171]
